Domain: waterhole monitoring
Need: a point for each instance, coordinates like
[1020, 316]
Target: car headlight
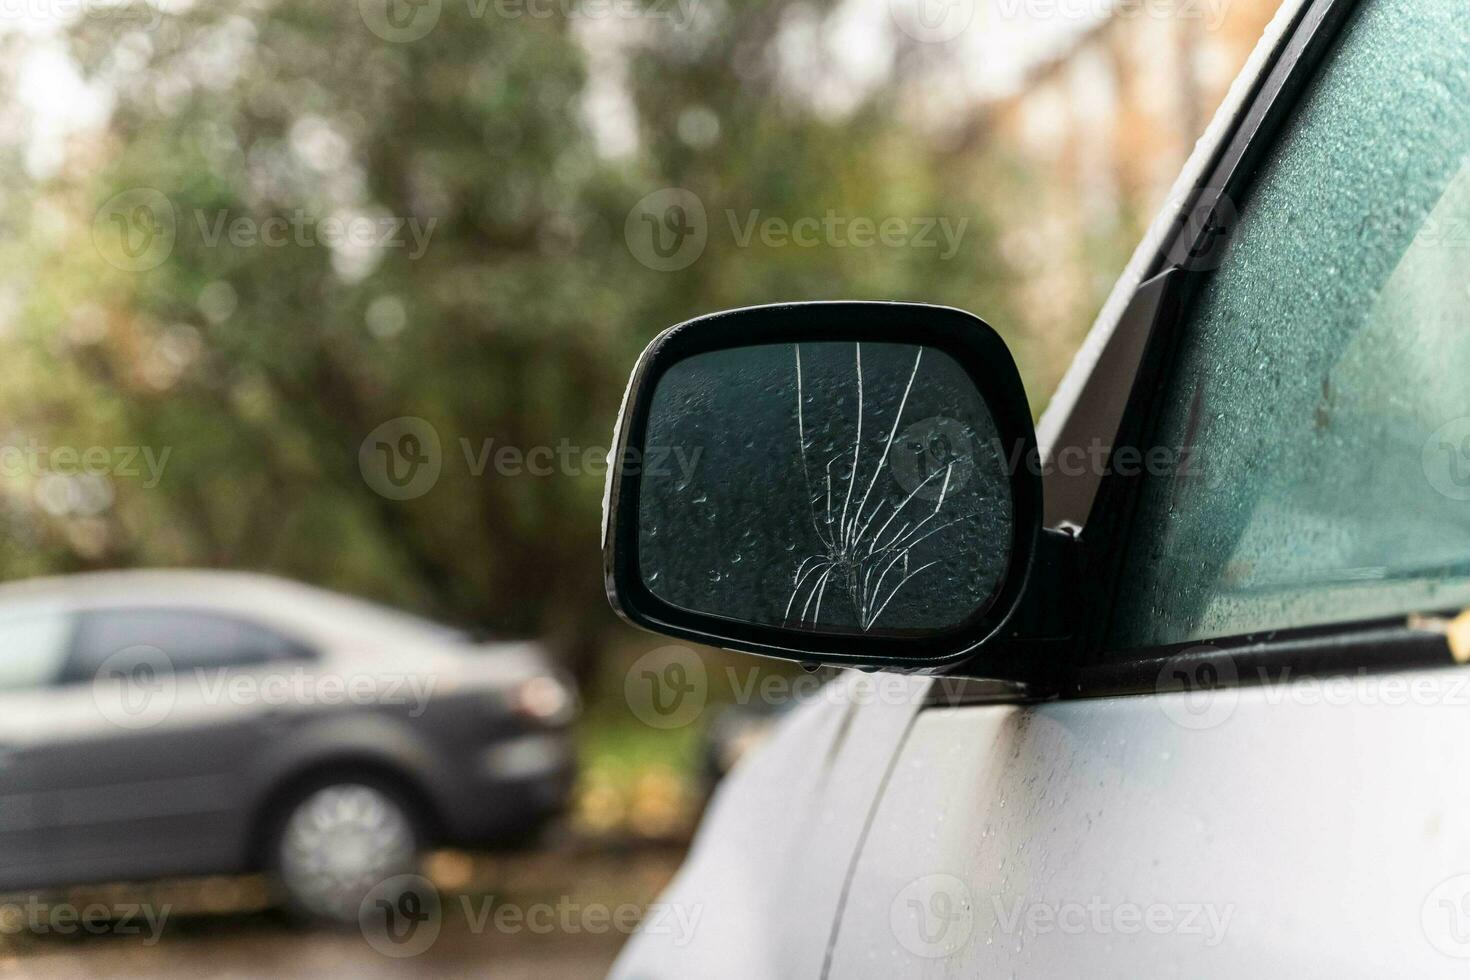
[544, 699]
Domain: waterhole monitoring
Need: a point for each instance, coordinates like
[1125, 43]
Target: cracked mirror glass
[840, 487]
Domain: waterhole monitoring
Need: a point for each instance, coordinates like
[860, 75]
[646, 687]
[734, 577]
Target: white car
[1171, 684]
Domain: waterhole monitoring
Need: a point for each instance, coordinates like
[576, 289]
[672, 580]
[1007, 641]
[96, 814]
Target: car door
[1259, 764]
[34, 640]
[157, 715]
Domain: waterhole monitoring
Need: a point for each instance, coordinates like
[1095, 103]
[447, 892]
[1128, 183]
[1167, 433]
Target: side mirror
[844, 483]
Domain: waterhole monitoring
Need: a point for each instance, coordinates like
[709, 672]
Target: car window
[32, 647]
[1319, 393]
[190, 640]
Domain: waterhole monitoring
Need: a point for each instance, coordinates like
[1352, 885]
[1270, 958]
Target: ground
[561, 900]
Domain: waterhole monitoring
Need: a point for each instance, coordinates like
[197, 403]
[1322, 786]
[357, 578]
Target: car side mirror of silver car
[842, 483]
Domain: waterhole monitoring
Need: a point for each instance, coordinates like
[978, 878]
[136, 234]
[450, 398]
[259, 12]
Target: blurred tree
[261, 359]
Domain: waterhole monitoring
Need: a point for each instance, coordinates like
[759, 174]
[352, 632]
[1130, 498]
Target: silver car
[162, 723]
[1171, 684]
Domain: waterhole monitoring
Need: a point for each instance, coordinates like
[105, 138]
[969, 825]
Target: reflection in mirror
[841, 487]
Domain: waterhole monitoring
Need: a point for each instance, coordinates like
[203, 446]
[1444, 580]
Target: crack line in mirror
[848, 549]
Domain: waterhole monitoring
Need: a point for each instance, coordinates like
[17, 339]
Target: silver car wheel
[338, 843]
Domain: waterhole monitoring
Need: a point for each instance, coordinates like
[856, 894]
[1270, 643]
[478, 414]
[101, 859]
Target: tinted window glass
[190, 640]
[32, 647]
[1321, 381]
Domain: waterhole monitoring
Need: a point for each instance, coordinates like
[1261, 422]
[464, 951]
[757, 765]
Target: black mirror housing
[856, 485]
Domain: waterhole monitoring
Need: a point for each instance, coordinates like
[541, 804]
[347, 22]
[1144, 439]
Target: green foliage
[262, 368]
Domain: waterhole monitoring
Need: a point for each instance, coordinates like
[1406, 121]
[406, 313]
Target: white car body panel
[769, 863]
[1234, 834]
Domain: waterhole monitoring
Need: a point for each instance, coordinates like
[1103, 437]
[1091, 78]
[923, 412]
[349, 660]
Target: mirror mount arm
[1042, 634]
[1050, 608]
